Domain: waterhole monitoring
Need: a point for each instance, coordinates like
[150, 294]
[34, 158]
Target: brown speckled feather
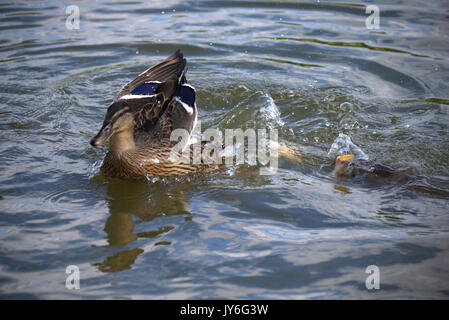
[141, 164]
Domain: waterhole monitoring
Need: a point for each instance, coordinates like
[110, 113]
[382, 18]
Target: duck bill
[102, 136]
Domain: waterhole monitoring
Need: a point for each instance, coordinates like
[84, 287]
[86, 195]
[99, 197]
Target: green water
[311, 70]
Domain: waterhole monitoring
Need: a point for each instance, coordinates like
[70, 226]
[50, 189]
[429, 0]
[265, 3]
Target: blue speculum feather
[187, 94]
[146, 89]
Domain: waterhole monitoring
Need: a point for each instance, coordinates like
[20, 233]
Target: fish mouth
[102, 136]
[343, 159]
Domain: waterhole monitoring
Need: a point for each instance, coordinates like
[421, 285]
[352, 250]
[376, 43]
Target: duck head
[119, 119]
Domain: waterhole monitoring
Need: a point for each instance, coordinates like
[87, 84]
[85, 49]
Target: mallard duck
[348, 166]
[142, 117]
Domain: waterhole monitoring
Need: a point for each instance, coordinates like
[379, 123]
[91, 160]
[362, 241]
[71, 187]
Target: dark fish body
[348, 167]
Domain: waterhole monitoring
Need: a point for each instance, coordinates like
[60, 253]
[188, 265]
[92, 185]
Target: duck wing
[171, 69]
[150, 94]
[181, 113]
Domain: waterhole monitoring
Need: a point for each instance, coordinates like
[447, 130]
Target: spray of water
[271, 112]
[344, 145]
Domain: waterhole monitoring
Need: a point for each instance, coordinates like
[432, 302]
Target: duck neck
[123, 141]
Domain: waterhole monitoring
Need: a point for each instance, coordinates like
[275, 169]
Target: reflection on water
[120, 261]
[131, 203]
[309, 69]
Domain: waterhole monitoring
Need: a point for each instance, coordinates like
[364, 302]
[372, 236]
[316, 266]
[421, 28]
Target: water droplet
[231, 171]
[347, 106]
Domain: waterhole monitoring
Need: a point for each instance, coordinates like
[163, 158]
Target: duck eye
[108, 127]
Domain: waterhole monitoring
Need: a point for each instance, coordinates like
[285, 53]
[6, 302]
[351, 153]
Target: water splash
[95, 168]
[258, 110]
[153, 179]
[271, 112]
[231, 171]
[344, 145]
